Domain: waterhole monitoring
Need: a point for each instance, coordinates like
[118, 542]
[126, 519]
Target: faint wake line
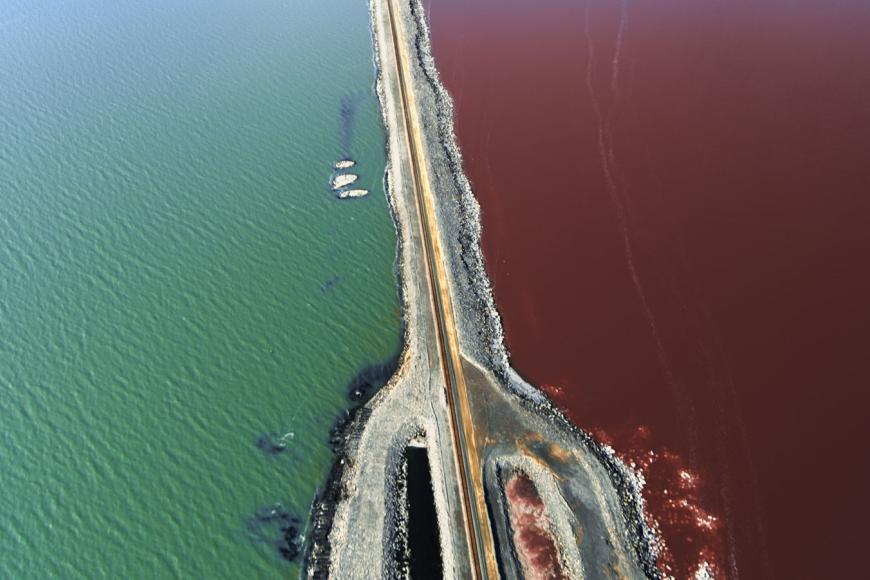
[620, 34]
[621, 204]
[608, 165]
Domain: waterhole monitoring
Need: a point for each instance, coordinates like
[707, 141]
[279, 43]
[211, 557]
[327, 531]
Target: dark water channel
[423, 543]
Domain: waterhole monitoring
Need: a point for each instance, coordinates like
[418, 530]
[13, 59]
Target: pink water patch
[533, 538]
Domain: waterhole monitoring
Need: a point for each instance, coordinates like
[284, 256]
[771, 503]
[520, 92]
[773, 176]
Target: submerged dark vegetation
[347, 119]
[277, 526]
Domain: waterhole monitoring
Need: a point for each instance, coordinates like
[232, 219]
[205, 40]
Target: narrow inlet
[424, 546]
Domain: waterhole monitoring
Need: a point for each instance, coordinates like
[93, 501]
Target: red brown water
[532, 535]
[676, 221]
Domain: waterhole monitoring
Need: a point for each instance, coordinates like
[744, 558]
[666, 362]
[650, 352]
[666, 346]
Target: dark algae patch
[330, 284]
[271, 444]
[347, 116]
[372, 377]
[276, 526]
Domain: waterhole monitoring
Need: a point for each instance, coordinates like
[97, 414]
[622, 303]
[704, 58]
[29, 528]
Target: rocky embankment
[591, 500]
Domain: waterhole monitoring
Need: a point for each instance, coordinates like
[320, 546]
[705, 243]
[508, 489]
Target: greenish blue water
[166, 231]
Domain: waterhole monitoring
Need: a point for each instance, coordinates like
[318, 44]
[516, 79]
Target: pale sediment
[344, 194]
[344, 164]
[343, 180]
[588, 491]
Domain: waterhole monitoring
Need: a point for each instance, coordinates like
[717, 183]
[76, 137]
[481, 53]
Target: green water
[167, 242]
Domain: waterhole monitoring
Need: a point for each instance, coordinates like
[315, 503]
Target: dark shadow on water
[347, 117]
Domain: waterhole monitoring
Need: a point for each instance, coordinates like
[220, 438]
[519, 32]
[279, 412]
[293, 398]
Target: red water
[676, 214]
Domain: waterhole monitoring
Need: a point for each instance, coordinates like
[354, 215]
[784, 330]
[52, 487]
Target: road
[479, 533]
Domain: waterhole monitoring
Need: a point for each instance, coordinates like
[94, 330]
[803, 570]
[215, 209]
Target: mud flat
[360, 520]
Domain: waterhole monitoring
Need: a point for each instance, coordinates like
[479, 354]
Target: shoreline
[482, 340]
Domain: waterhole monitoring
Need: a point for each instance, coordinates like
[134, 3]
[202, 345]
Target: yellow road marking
[474, 502]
